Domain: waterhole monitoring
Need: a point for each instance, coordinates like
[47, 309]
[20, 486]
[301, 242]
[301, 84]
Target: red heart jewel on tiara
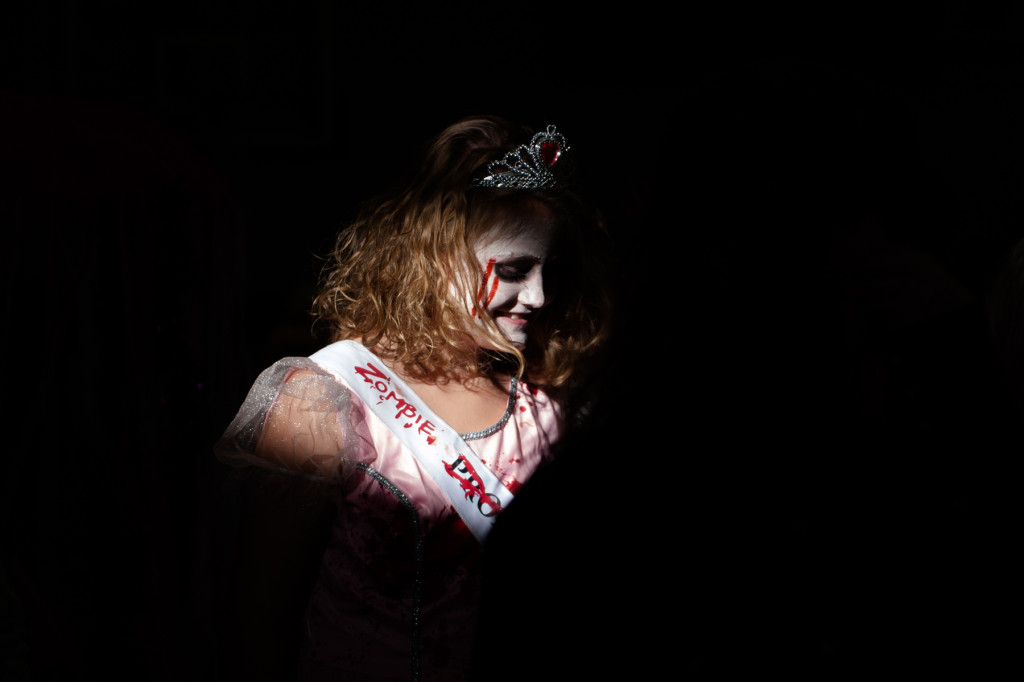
[549, 153]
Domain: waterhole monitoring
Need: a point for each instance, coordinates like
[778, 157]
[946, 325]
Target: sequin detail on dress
[476, 435]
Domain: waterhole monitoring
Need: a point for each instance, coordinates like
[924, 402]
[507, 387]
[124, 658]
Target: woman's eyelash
[512, 273]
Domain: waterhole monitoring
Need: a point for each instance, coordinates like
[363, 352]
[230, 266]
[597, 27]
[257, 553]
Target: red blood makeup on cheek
[493, 291]
[483, 285]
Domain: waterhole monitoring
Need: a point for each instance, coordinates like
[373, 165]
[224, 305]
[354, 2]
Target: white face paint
[512, 277]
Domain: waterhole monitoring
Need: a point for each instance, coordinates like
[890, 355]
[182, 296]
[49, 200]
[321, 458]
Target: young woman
[462, 309]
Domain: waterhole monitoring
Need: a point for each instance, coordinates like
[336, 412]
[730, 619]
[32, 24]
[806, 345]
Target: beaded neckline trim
[476, 435]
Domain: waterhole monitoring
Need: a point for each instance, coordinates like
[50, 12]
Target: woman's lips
[513, 318]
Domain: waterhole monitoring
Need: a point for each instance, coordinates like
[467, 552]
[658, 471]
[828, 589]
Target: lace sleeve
[298, 419]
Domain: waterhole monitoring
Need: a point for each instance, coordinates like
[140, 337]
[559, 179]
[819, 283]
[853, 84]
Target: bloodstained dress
[300, 419]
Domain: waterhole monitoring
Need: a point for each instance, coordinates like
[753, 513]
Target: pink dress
[300, 419]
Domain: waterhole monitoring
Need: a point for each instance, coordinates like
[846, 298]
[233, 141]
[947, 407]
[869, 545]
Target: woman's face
[512, 276]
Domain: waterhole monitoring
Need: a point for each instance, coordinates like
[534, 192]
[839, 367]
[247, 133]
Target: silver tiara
[528, 166]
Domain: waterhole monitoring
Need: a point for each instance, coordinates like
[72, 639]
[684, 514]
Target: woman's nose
[532, 293]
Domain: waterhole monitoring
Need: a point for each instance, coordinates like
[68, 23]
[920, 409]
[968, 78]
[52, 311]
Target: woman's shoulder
[297, 417]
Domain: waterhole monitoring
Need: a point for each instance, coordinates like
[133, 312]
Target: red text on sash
[472, 485]
[405, 411]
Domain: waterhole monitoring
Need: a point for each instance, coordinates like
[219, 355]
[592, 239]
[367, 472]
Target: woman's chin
[518, 341]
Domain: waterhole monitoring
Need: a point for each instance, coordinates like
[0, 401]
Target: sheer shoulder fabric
[298, 419]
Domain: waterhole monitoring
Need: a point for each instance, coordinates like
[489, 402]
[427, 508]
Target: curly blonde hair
[399, 276]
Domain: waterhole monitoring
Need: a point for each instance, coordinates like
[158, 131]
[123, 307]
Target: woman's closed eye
[514, 271]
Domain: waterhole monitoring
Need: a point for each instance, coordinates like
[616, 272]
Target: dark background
[810, 208]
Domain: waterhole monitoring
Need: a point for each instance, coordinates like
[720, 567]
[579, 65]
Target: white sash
[473, 489]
